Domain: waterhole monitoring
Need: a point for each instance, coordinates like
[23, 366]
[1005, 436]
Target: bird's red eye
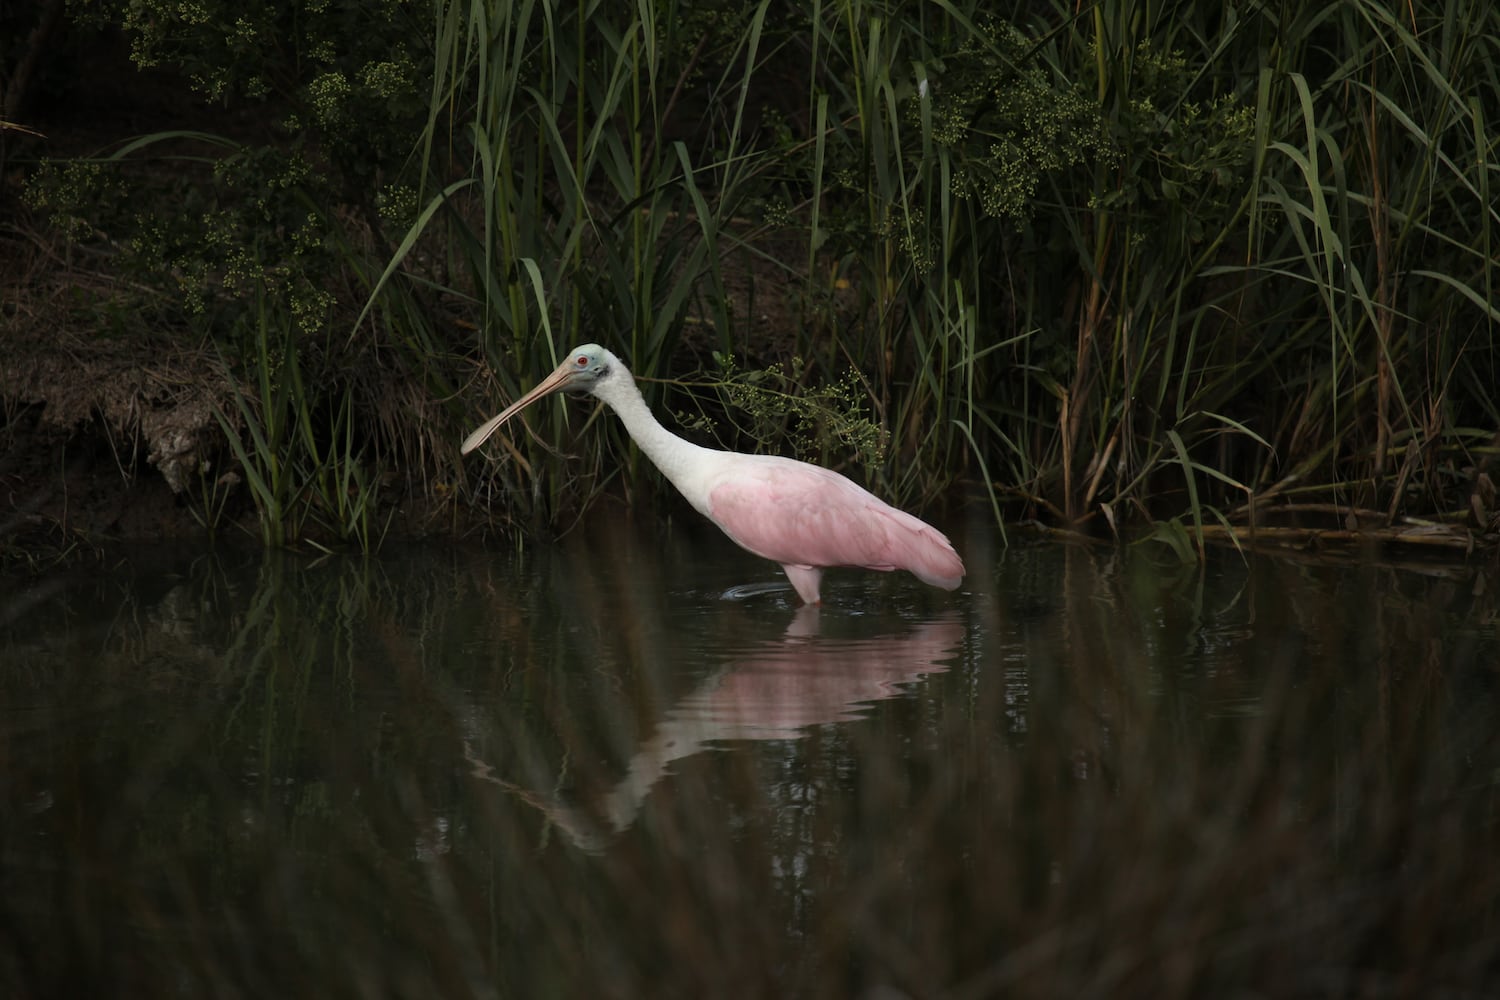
[582, 361]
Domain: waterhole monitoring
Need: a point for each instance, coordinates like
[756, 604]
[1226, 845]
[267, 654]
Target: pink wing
[802, 515]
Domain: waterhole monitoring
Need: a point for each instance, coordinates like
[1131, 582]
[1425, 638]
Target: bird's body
[802, 516]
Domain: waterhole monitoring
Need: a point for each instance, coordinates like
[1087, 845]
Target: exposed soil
[102, 439]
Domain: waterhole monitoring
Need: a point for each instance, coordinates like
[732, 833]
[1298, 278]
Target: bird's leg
[805, 580]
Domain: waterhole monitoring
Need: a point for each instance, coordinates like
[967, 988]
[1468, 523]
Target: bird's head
[584, 369]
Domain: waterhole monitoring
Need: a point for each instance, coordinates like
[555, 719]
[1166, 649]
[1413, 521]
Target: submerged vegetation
[1182, 265]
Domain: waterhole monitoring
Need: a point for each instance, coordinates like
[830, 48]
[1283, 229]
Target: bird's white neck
[681, 461]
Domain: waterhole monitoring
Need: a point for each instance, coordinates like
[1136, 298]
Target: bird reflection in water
[800, 681]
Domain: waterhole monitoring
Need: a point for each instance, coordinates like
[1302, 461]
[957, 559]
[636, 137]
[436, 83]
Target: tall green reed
[881, 204]
[582, 216]
[1126, 258]
[1199, 276]
[1382, 204]
[301, 452]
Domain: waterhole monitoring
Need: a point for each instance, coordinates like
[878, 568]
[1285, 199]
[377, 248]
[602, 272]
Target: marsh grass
[1175, 260]
[580, 218]
[1180, 263]
[300, 450]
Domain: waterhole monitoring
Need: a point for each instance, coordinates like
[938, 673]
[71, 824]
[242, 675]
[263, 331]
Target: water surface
[619, 765]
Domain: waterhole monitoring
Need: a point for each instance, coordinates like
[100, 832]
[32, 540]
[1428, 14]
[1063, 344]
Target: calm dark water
[612, 766]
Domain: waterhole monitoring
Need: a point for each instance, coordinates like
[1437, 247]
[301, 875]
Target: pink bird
[804, 517]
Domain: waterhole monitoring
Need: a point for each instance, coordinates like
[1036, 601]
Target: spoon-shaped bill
[559, 379]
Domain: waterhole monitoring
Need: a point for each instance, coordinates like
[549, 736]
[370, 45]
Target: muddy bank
[104, 441]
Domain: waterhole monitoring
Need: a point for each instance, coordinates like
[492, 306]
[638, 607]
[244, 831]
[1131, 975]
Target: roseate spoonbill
[804, 517]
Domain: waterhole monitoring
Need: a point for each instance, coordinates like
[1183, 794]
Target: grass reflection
[581, 771]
